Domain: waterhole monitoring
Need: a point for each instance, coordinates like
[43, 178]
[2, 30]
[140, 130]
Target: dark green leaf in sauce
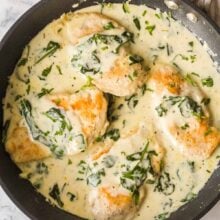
[134, 177]
[164, 184]
[48, 51]
[55, 194]
[186, 105]
[113, 134]
[24, 60]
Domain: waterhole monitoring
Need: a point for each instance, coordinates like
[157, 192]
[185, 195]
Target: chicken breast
[90, 107]
[79, 25]
[181, 113]
[62, 124]
[22, 148]
[121, 191]
[100, 50]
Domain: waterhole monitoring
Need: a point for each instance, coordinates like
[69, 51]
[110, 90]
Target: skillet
[20, 190]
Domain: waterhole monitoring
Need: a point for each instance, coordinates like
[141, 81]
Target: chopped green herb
[182, 56]
[144, 88]
[169, 49]
[162, 216]
[5, 130]
[195, 74]
[192, 58]
[44, 92]
[206, 101]
[113, 134]
[22, 62]
[17, 97]
[28, 88]
[125, 7]
[161, 111]
[109, 26]
[132, 101]
[144, 13]
[47, 71]
[137, 23]
[49, 50]
[190, 196]
[159, 16]
[191, 43]
[59, 69]
[208, 82]
[185, 126]
[150, 28]
[190, 80]
[71, 196]
[42, 168]
[135, 59]
[191, 165]
[69, 162]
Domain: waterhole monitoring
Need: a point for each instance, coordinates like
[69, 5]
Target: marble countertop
[10, 11]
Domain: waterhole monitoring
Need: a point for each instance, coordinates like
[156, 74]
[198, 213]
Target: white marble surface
[10, 10]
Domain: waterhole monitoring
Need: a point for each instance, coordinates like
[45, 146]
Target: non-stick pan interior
[20, 191]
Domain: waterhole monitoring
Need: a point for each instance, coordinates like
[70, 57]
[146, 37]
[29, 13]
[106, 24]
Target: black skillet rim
[199, 214]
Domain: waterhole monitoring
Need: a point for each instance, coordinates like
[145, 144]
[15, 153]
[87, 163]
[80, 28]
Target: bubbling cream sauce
[158, 38]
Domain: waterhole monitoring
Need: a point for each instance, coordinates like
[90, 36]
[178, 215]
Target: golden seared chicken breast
[90, 106]
[181, 112]
[22, 148]
[62, 124]
[119, 192]
[100, 50]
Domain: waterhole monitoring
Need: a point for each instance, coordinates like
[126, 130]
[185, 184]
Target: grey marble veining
[10, 11]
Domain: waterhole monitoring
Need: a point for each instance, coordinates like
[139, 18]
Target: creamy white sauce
[159, 39]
